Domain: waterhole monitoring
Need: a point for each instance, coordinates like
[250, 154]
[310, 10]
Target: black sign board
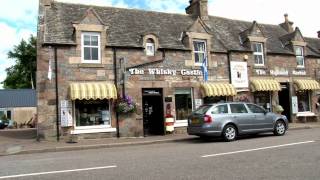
[168, 99]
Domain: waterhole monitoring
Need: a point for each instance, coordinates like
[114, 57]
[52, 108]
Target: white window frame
[184, 122]
[83, 46]
[194, 51]
[150, 53]
[90, 129]
[302, 55]
[255, 53]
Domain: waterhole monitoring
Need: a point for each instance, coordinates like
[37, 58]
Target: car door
[241, 116]
[260, 117]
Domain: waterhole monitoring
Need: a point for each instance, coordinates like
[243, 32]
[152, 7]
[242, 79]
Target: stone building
[89, 57]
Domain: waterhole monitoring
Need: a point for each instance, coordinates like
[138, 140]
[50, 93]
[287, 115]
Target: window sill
[305, 114]
[91, 65]
[300, 67]
[181, 123]
[94, 129]
[258, 66]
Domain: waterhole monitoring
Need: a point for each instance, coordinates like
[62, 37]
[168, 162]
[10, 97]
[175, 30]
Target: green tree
[23, 73]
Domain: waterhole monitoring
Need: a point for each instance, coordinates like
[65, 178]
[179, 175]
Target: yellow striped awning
[265, 85]
[97, 90]
[218, 89]
[306, 84]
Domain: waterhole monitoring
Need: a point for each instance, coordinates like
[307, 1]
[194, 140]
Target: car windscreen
[202, 109]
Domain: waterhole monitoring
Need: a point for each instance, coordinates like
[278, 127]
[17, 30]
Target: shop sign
[161, 71]
[294, 100]
[197, 103]
[279, 72]
[239, 74]
[299, 72]
[66, 119]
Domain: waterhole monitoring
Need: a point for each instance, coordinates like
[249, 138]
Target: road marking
[257, 149]
[57, 172]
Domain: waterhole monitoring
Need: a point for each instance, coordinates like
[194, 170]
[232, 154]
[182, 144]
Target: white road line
[57, 172]
[257, 149]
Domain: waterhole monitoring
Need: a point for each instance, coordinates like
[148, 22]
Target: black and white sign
[239, 74]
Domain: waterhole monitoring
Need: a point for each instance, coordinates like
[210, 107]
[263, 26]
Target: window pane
[150, 49]
[94, 40]
[298, 51]
[196, 58]
[95, 54]
[86, 53]
[199, 46]
[300, 61]
[92, 113]
[262, 99]
[303, 101]
[258, 59]
[255, 109]
[238, 108]
[86, 40]
[183, 103]
[222, 109]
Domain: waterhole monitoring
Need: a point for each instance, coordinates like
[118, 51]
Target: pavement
[12, 145]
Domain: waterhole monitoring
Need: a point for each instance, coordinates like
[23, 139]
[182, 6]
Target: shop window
[150, 47]
[214, 99]
[183, 103]
[90, 43]
[258, 54]
[92, 113]
[263, 99]
[299, 56]
[199, 50]
[303, 101]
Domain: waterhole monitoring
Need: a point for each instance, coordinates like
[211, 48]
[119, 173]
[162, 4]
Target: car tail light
[207, 119]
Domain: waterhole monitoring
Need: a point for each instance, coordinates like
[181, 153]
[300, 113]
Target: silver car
[234, 118]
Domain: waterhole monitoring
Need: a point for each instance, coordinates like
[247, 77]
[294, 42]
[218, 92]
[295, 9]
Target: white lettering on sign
[157, 71]
[279, 72]
[261, 72]
[299, 72]
[185, 72]
[136, 71]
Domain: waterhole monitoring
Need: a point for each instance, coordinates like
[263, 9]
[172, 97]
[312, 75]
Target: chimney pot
[286, 17]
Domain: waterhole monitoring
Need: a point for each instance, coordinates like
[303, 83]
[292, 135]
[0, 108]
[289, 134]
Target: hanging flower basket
[126, 105]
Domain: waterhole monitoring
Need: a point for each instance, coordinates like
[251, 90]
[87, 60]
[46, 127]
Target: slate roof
[18, 98]
[126, 27]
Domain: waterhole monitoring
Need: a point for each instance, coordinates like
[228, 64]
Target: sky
[18, 18]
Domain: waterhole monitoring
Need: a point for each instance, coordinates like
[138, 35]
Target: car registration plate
[195, 121]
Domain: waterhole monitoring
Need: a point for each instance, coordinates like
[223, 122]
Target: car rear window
[202, 109]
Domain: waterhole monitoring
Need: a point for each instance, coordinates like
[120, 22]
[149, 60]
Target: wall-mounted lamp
[245, 57]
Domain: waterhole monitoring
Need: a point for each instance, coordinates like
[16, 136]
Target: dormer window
[299, 56]
[199, 50]
[150, 47]
[258, 54]
[90, 47]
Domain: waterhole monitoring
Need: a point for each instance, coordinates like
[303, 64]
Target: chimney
[198, 8]
[46, 2]
[287, 25]
[318, 34]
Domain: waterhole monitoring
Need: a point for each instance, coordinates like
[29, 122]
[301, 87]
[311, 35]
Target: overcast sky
[18, 18]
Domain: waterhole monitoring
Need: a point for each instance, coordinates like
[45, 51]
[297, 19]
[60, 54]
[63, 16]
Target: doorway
[153, 119]
[284, 99]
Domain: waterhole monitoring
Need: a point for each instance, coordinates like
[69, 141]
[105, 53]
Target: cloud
[19, 10]
[303, 14]
[171, 6]
[90, 2]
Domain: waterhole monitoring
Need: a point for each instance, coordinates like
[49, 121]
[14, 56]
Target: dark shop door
[153, 120]
[284, 99]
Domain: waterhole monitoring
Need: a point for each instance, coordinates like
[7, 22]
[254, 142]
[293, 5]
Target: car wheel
[279, 128]
[229, 133]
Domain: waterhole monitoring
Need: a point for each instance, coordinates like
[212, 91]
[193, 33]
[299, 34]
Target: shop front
[90, 108]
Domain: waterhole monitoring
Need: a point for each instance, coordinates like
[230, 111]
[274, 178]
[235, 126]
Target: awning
[98, 90]
[265, 85]
[306, 84]
[218, 89]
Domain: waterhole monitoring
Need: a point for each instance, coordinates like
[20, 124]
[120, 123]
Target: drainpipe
[116, 84]
[229, 65]
[57, 94]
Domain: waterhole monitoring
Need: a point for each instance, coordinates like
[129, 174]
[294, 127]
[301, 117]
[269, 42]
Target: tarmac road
[295, 156]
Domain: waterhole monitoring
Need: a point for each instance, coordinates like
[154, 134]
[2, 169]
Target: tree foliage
[22, 75]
